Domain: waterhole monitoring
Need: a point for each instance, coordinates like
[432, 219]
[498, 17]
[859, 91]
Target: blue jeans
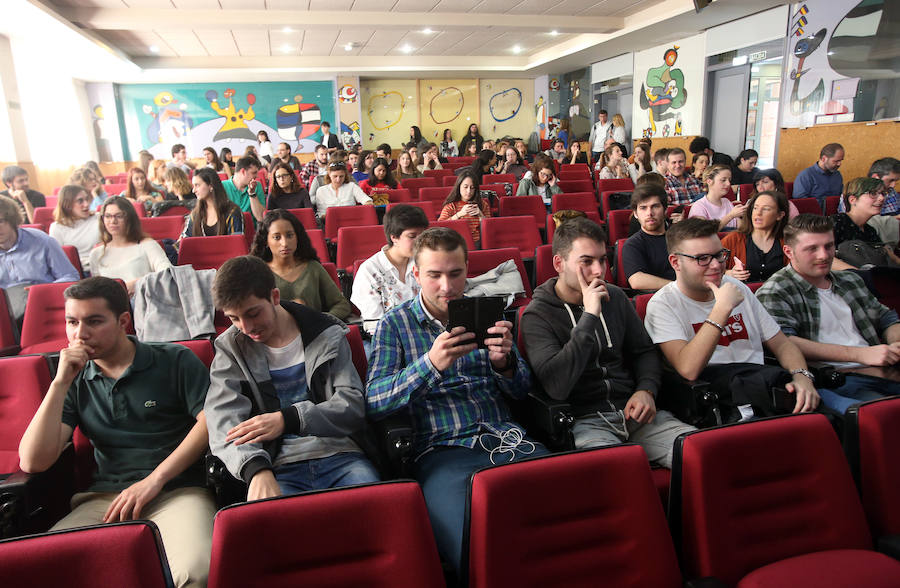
[858, 388]
[342, 469]
[444, 474]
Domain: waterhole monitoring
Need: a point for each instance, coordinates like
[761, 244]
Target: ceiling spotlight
[287, 30]
[516, 49]
[554, 33]
[406, 48]
[153, 49]
[427, 31]
[285, 48]
[348, 47]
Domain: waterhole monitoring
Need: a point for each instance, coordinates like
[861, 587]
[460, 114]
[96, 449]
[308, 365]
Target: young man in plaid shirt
[682, 187]
[453, 391]
[832, 317]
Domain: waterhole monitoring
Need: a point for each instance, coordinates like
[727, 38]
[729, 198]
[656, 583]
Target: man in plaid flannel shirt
[832, 317]
[682, 188]
[316, 167]
[452, 391]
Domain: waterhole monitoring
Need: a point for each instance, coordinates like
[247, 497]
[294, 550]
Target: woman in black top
[286, 191]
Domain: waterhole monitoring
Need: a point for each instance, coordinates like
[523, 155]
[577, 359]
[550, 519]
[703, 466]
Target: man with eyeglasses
[706, 319]
[283, 155]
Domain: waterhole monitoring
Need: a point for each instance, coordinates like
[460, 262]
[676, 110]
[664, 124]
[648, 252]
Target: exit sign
[758, 56]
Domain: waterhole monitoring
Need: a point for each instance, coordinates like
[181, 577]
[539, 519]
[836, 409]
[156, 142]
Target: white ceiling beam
[141, 18]
[334, 64]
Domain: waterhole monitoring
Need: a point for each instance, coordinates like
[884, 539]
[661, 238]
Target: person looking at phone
[453, 392]
[465, 203]
[645, 258]
[588, 346]
[243, 184]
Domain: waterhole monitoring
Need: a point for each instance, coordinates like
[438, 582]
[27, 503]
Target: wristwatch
[806, 373]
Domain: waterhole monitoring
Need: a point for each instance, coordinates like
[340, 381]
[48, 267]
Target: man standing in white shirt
[601, 130]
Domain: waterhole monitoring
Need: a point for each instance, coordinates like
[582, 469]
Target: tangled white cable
[509, 442]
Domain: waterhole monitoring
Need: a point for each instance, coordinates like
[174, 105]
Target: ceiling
[378, 37]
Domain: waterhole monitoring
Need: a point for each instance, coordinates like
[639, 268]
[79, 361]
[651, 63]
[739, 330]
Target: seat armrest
[553, 419]
[692, 401]
[394, 434]
[32, 503]
[226, 487]
[889, 545]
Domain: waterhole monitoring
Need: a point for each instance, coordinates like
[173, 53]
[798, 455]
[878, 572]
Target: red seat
[461, 227]
[574, 176]
[551, 224]
[745, 190]
[754, 286]
[358, 243]
[462, 159]
[510, 231]
[223, 176]
[584, 538]
[8, 343]
[436, 195]
[448, 181]
[640, 304]
[25, 382]
[543, 264]
[306, 216]
[770, 503]
[606, 201]
[575, 167]
[485, 260]
[179, 211]
[432, 212]
[583, 201]
[43, 215]
[249, 230]
[498, 179]
[671, 209]
[621, 280]
[437, 173]
[317, 238]
[399, 195]
[33, 226]
[808, 205]
[614, 185]
[357, 351]
[115, 189]
[348, 216]
[375, 534]
[789, 189]
[44, 325]
[831, 204]
[617, 222]
[568, 186]
[210, 252]
[452, 167]
[74, 258]
[414, 184]
[117, 554]
[524, 206]
[163, 227]
[202, 348]
[331, 270]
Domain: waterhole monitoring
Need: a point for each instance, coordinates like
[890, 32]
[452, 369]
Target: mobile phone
[477, 315]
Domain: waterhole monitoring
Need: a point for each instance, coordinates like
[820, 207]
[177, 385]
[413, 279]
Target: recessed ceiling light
[348, 47]
[285, 48]
[406, 48]
[516, 49]
[153, 49]
[554, 33]
[427, 31]
[287, 30]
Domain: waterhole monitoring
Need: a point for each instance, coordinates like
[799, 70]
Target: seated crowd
[282, 405]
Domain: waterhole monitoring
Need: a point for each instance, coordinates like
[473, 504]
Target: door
[726, 108]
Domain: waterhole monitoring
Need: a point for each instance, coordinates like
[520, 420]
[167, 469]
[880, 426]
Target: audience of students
[542, 182]
[574, 154]
[139, 189]
[745, 169]
[699, 164]
[244, 189]
[513, 164]
[863, 199]
[682, 187]
[642, 162]
[74, 222]
[90, 182]
[380, 177]
[179, 159]
[612, 163]
[822, 178]
[266, 153]
[472, 137]
[430, 159]
[363, 166]
[449, 148]
[645, 257]
[406, 167]
[227, 160]
[177, 185]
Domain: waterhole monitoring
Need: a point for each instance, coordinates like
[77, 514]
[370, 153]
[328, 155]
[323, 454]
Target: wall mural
[449, 104]
[506, 108]
[223, 115]
[104, 120]
[385, 110]
[388, 109]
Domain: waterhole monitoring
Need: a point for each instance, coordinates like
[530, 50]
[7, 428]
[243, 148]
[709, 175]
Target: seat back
[586, 538]
[428, 207]
[461, 227]
[744, 191]
[202, 348]
[357, 351]
[543, 264]
[358, 243]
[44, 324]
[612, 200]
[592, 215]
[414, 184]
[462, 159]
[306, 216]
[448, 181]
[640, 304]
[115, 554]
[331, 270]
[747, 495]
[617, 222]
[510, 231]
[436, 195]
[437, 173]
[576, 167]
[789, 189]
[583, 201]
[25, 382]
[831, 204]
[484, 260]
[210, 252]
[249, 230]
[399, 195]
[621, 280]
[179, 211]
[348, 216]
[576, 186]
[807, 205]
[163, 227]
[524, 206]
[317, 238]
[43, 215]
[8, 334]
[617, 184]
[353, 536]
[74, 258]
[498, 179]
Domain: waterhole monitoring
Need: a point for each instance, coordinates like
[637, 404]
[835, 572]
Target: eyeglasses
[118, 217]
[705, 259]
[282, 176]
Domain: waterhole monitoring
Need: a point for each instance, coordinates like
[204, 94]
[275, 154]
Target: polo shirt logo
[150, 404]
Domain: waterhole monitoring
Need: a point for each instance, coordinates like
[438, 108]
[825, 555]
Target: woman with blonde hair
[156, 173]
[178, 186]
[338, 190]
[715, 205]
[74, 222]
[88, 180]
[618, 129]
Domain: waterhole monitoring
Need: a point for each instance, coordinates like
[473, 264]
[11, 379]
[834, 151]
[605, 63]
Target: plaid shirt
[450, 408]
[683, 191]
[309, 173]
[794, 304]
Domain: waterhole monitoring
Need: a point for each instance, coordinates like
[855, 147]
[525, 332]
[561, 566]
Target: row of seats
[766, 503]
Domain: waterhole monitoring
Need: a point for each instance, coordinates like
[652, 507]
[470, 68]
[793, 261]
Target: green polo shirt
[135, 422]
[242, 197]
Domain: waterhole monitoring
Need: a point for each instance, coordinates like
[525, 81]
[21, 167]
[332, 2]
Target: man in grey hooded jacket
[587, 345]
[284, 396]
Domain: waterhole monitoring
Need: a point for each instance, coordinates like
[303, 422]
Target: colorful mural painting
[223, 115]
[389, 108]
[448, 104]
[506, 108]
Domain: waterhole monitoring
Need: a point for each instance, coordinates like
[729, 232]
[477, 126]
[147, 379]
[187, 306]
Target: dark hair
[320, 147]
[417, 134]
[694, 227]
[806, 223]
[134, 233]
[660, 154]
[304, 252]
[325, 123]
[859, 186]
[225, 151]
[575, 228]
[10, 211]
[555, 141]
[699, 144]
[747, 154]
[698, 156]
[362, 160]
[384, 147]
[644, 192]
[246, 163]
[388, 176]
[276, 187]
[444, 136]
[455, 195]
[603, 111]
[773, 174]
[884, 166]
[830, 149]
[402, 217]
[130, 191]
[216, 162]
[745, 225]
[177, 148]
[645, 147]
[651, 177]
[482, 160]
[440, 239]
[263, 133]
[220, 201]
[477, 130]
[676, 151]
[537, 165]
[11, 172]
[108, 289]
[240, 278]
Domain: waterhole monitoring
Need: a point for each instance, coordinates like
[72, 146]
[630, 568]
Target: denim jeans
[858, 388]
[444, 474]
[342, 469]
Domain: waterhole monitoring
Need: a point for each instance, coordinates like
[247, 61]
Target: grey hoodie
[596, 363]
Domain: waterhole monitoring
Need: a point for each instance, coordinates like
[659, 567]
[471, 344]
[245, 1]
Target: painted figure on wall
[350, 136]
[235, 124]
[100, 133]
[663, 91]
[170, 123]
[298, 120]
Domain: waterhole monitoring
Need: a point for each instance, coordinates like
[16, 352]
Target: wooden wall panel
[863, 143]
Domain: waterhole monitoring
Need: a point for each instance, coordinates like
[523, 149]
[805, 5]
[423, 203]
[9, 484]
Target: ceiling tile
[414, 5]
[456, 5]
[318, 41]
[287, 4]
[495, 6]
[184, 42]
[255, 43]
[196, 4]
[330, 4]
[243, 4]
[219, 42]
[373, 5]
[572, 7]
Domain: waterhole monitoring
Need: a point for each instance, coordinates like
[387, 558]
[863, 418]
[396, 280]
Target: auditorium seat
[202, 348]
[414, 184]
[436, 195]
[614, 185]
[524, 206]
[44, 325]
[583, 201]
[74, 258]
[608, 202]
[163, 227]
[568, 186]
[357, 351]
[428, 207]
[317, 238]
[831, 204]
[25, 382]
[399, 195]
[807, 205]
[621, 280]
[306, 216]
[484, 260]
[249, 230]
[348, 216]
[437, 173]
[210, 252]
[510, 231]
[367, 535]
[331, 270]
[8, 334]
[43, 215]
[461, 227]
[499, 179]
[179, 211]
[576, 167]
[448, 181]
[617, 222]
[358, 243]
[771, 502]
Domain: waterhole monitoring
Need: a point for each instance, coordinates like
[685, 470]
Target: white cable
[509, 442]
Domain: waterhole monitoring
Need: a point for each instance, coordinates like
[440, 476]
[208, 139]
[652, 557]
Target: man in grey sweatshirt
[587, 345]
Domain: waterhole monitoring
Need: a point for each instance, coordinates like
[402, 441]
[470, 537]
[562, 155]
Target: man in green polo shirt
[242, 184]
[141, 405]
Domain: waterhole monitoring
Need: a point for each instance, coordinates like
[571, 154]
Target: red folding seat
[249, 230]
[451, 166]
[43, 215]
[617, 222]
[484, 260]
[581, 168]
[607, 202]
[499, 179]
[117, 554]
[568, 186]
[348, 216]
[306, 216]
[33, 226]
[436, 195]
[831, 204]
[25, 382]
[44, 324]
[317, 238]
[8, 334]
[462, 159]
[357, 351]
[745, 190]
[210, 252]
[368, 535]
[449, 181]
[414, 184]
[621, 280]
[461, 227]
[543, 264]
[574, 176]
[399, 195]
[510, 231]
[599, 533]
[524, 206]
[331, 270]
[429, 207]
[583, 201]
[358, 243]
[807, 205]
[179, 211]
[671, 209]
[163, 227]
[551, 224]
[437, 173]
[615, 185]
[202, 348]
[74, 258]
[772, 503]
[115, 189]
[789, 189]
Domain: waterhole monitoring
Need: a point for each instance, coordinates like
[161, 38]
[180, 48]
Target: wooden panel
[670, 143]
[863, 143]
